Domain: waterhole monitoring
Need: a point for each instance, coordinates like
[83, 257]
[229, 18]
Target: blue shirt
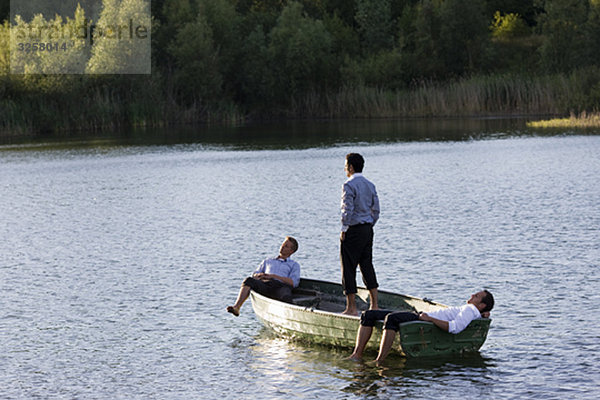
[287, 268]
[360, 203]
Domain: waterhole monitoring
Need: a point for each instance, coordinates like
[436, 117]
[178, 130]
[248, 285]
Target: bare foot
[354, 357]
[235, 311]
[350, 312]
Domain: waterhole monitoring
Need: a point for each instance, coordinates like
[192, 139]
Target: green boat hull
[315, 317]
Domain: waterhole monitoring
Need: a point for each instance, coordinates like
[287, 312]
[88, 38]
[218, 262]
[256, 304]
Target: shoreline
[114, 129]
[63, 111]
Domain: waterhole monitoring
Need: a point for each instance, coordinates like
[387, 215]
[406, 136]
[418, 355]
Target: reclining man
[451, 319]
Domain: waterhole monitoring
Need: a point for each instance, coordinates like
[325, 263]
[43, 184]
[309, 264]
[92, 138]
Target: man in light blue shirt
[274, 277]
[360, 211]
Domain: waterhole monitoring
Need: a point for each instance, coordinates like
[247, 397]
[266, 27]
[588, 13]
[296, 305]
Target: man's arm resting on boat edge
[443, 325]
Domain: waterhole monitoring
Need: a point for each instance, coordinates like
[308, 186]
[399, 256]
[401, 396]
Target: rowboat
[315, 316]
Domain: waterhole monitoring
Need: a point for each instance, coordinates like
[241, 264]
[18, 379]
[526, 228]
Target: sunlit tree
[525, 8]
[4, 48]
[70, 47]
[508, 26]
[122, 38]
[25, 35]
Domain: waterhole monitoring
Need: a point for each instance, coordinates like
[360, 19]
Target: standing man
[360, 211]
[275, 277]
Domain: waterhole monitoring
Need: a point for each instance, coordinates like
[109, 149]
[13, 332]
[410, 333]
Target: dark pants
[392, 319]
[271, 288]
[357, 249]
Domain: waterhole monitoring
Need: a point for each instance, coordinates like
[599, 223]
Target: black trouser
[271, 288]
[357, 249]
[392, 319]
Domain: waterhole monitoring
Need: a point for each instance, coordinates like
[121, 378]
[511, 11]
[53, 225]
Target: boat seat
[306, 297]
[305, 292]
[306, 301]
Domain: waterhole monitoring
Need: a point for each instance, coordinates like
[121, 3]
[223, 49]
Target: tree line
[219, 60]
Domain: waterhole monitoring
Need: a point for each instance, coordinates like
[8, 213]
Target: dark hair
[488, 300]
[294, 242]
[356, 160]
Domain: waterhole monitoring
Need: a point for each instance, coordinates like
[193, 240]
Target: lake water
[118, 256]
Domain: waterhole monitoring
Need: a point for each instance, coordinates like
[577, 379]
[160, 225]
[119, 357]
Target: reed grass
[477, 96]
[99, 106]
[35, 105]
[583, 120]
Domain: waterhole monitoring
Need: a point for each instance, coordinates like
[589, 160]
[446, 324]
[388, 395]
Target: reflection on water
[294, 134]
[283, 363]
[409, 374]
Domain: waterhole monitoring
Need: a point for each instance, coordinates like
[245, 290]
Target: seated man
[452, 319]
[274, 277]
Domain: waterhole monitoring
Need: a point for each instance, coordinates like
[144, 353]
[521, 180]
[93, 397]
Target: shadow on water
[365, 379]
[410, 374]
[294, 134]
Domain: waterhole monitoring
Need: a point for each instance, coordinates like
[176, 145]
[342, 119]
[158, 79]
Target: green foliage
[426, 57]
[344, 9]
[197, 77]
[53, 46]
[122, 38]
[219, 60]
[224, 23]
[584, 89]
[173, 15]
[300, 48]
[267, 5]
[526, 9]
[384, 69]
[4, 11]
[4, 48]
[514, 47]
[464, 36]
[374, 21]
[508, 26]
[563, 28]
[345, 39]
[591, 34]
[254, 79]
[177, 13]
